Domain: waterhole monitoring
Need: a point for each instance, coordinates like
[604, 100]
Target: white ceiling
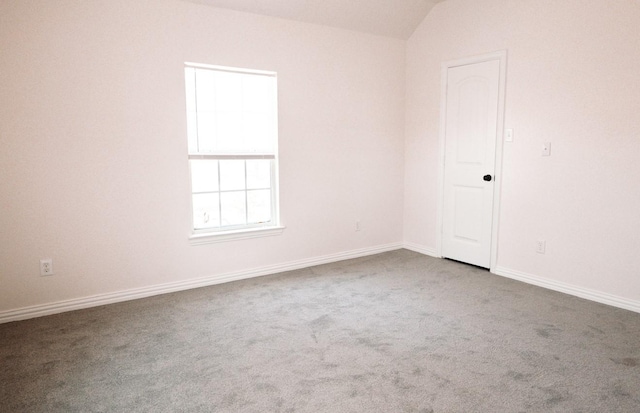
[393, 18]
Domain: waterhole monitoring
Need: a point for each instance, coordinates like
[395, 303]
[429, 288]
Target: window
[232, 141]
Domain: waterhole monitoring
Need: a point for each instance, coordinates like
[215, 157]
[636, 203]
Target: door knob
[487, 178]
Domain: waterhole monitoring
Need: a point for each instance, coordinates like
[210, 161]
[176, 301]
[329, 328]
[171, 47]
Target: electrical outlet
[540, 246]
[357, 226]
[46, 267]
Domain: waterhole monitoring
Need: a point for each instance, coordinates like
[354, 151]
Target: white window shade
[230, 112]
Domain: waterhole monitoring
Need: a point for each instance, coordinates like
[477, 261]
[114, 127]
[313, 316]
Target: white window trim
[215, 237]
[230, 69]
[209, 236]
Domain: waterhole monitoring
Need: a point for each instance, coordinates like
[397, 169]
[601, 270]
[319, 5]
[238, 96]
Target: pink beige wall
[93, 169]
[572, 79]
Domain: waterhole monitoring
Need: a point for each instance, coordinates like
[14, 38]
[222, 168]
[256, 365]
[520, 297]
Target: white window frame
[246, 231]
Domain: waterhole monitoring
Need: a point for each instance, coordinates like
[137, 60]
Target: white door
[471, 122]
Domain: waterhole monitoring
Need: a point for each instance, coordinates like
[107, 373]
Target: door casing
[501, 56]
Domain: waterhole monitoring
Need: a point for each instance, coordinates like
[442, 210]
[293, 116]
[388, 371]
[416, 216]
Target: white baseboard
[421, 249]
[581, 292]
[133, 294]
[136, 293]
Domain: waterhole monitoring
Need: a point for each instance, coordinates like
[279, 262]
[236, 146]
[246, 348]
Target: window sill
[215, 237]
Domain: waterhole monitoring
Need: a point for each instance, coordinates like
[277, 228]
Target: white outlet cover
[46, 267]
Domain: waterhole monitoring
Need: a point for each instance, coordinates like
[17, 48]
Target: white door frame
[502, 57]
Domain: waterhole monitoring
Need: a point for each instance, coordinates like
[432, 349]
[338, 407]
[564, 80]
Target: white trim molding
[136, 293]
[421, 249]
[223, 236]
[586, 293]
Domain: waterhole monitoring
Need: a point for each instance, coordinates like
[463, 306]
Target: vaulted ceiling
[393, 18]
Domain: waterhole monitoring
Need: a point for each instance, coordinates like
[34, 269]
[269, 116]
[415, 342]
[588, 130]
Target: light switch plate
[546, 149]
[508, 137]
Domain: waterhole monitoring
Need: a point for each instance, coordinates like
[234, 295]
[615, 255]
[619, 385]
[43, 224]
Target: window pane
[258, 132]
[206, 211]
[204, 176]
[192, 132]
[190, 90]
[258, 174]
[256, 94]
[231, 175]
[229, 91]
[206, 132]
[259, 206]
[233, 208]
[230, 112]
[229, 131]
[205, 90]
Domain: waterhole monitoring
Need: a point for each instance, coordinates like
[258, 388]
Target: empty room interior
[319, 206]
